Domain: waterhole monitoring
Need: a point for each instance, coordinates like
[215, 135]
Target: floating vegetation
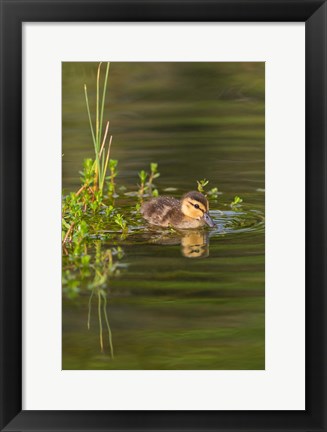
[142, 187]
[113, 174]
[121, 222]
[170, 189]
[147, 187]
[153, 175]
[212, 193]
[202, 184]
[237, 201]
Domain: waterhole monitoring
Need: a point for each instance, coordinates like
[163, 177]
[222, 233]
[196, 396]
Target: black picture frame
[13, 14]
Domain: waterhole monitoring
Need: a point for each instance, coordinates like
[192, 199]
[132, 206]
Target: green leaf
[237, 200]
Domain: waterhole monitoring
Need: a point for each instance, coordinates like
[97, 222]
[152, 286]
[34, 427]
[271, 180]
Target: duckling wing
[158, 211]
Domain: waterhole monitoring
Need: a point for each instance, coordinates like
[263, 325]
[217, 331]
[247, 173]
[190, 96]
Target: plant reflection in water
[194, 244]
[105, 266]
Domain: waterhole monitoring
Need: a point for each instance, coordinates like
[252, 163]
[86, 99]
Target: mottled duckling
[192, 211]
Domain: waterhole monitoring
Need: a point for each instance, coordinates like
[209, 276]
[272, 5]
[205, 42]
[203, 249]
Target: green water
[182, 300]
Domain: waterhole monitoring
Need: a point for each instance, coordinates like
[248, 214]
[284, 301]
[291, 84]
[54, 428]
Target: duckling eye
[196, 206]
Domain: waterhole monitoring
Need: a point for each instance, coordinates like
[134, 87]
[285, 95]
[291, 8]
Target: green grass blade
[106, 162]
[97, 109]
[89, 114]
[103, 98]
[102, 157]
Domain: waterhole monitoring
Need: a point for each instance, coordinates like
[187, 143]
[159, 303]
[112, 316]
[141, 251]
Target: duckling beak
[208, 220]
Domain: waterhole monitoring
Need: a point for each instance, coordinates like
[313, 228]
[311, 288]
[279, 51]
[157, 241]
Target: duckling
[192, 211]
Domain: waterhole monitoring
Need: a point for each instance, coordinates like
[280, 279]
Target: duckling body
[192, 211]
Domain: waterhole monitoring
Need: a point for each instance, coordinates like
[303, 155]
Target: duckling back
[159, 211]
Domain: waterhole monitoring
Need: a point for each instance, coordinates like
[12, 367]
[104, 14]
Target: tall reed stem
[101, 156]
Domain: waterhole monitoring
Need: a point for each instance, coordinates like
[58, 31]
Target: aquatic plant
[89, 197]
[153, 175]
[212, 193]
[81, 210]
[142, 187]
[99, 141]
[202, 184]
[121, 222]
[148, 185]
[236, 201]
[113, 174]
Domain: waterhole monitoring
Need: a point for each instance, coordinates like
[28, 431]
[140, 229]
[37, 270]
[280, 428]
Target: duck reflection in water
[194, 243]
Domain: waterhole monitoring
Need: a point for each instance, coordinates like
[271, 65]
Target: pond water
[178, 300]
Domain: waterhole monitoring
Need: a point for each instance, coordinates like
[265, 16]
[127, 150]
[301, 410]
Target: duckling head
[195, 205]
